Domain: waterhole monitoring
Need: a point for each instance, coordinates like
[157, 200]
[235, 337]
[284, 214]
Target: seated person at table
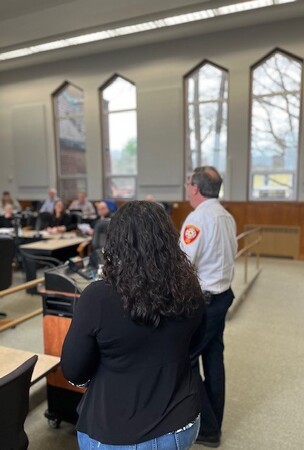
[83, 205]
[49, 203]
[59, 221]
[6, 198]
[7, 219]
[103, 212]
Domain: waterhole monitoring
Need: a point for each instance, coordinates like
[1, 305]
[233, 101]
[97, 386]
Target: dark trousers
[212, 388]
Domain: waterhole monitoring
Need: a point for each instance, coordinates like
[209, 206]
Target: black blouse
[63, 220]
[6, 222]
[141, 383]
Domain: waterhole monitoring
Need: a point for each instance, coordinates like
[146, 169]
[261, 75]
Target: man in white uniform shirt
[208, 237]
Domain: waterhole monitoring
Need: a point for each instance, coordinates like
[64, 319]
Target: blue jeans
[183, 440]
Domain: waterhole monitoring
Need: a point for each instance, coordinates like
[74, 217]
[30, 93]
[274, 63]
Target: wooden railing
[12, 290]
[255, 237]
[252, 239]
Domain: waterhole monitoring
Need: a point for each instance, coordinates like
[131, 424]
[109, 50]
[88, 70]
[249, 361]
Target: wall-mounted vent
[279, 240]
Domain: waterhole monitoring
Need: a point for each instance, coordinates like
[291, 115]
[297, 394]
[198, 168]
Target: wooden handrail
[12, 290]
[13, 323]
[21, 287]
[246, 248]
[247, 233]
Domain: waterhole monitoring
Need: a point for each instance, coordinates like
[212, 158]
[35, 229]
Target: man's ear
[196, 189]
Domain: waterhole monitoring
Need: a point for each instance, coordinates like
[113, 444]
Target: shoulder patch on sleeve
[191, 232]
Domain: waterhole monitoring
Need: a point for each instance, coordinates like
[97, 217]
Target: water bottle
[99, 274]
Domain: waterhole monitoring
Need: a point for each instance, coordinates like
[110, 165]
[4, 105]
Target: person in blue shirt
[49, 203]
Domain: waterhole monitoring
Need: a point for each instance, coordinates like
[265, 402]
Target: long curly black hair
[145, 264]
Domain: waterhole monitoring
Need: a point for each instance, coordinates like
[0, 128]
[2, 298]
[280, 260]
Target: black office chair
[75, 217]
[14, 406]
[98, 241]
[43, 220]
[100, 233]
[33, 262]
[7, 250]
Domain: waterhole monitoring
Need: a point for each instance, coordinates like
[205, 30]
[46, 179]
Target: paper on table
[6, 230]
[84, 227]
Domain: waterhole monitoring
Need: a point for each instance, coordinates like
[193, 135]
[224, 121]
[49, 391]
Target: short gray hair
[208, 180]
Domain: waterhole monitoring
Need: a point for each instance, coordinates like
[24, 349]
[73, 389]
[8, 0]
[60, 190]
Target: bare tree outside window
[206, 119]
[70, 140]
[275, 120]
[119, 134]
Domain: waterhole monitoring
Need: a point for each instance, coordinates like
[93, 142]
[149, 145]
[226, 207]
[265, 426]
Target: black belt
[210, 296]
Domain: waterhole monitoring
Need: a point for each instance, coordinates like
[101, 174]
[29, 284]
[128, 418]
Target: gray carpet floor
[264, 357]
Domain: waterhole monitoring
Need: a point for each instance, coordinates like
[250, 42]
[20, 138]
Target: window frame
[59, 176]
[106, 177]
[251, 98]
[204, 62]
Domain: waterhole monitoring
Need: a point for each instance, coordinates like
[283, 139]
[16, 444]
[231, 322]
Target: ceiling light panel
[145, 26]
[49, 46]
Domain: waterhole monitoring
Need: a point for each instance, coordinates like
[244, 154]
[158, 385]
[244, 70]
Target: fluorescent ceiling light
[145, 26]
[85, 38]
[16, 53]
[244, 6]
[49, 46]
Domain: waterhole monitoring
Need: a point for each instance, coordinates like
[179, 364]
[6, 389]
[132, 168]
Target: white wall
[157, 71]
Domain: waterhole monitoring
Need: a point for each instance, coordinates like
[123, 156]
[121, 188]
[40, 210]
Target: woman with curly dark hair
[131, 336]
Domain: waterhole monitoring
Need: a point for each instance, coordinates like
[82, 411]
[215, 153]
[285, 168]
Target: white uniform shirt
[208, 237]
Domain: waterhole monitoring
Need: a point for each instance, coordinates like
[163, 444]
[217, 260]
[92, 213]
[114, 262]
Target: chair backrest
[31, 263]
[43, 221]
[75, 217]
[7, 250]
[98, 242]
[100, 233]
[14, 406]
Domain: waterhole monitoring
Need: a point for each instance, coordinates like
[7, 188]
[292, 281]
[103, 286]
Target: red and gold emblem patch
[191, 232]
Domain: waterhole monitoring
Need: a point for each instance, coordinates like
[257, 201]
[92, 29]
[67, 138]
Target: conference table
[11, 358]
[62, 248]
[52, 244]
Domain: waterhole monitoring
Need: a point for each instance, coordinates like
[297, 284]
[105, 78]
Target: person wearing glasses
[131, 337]
[208, 237]
[103, 213]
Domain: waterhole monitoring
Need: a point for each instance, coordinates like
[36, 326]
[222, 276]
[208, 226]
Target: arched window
[275, 119]
[119, 136]
[68, 103]
[206, 89]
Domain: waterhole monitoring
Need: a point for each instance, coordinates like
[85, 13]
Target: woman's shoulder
[101, 296]
[99, 289]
